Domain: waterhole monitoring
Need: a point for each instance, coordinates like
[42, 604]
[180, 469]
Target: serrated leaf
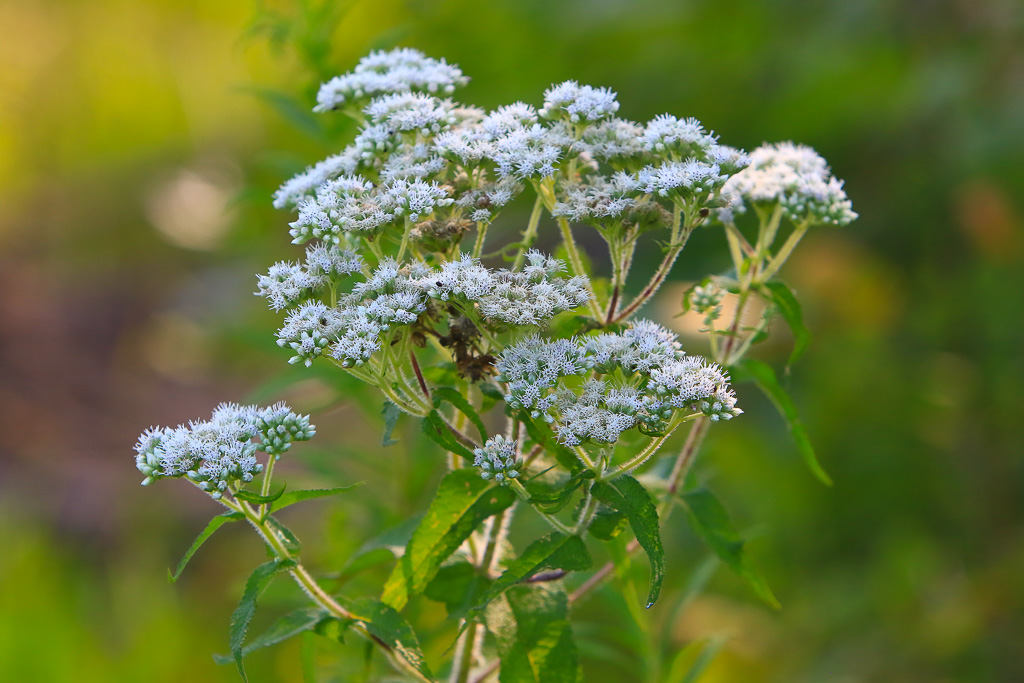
[381, 548]
[765, 378]
[458, 586]
[552, 499]
[436, 429]
[214, 524]
[452, 396]
[554, 551]
[291, 541]
[298, 496]
[710, 520]
[257, 499]
[462, 502]
[240, 618]
[607, 524]
[291, 624]
[789, 308]
[384, 623]
[390, 412]
[535, 643]
[629, 497]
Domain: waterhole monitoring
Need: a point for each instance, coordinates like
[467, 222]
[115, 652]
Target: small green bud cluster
[498, 460]
[707, 300]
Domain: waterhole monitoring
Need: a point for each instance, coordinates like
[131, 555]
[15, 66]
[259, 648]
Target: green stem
[530, 234]
[310, 586]
[481, 235]
[784, 253]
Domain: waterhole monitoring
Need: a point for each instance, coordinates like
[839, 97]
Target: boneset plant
[544, 390]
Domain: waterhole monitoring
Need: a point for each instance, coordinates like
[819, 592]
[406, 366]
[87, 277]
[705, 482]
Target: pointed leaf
[535, 643]
[291, 541]
[437, 431]
[459, 401]
[387, 625]
[215, 523]
[554, 551]
[629, 497]
[710, 520]
[765, 378]
[291, 624]
[459, 586]
[789, 307]
[390, 413]
[254, 587]
[257, 499]
[293, 497]
[463, 501]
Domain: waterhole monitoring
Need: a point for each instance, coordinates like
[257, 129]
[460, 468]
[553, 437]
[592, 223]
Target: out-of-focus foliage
[140, 144]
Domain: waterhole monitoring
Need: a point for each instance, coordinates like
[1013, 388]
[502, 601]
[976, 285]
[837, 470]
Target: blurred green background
[139, 146]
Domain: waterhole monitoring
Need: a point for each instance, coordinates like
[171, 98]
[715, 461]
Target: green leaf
[463, 501]
[765, 378]
[215, 523]
[291, 624]
[437, 431]
[384, 623]
[710, 520]
[607, 524]
[693, 660]
[254, 587]
[459, 586]
[629, 497]
[390, 413]
[291, 541]
[554, 551]
[293, 497]
[789, 307]
[535, 643]
[257, 499]
[551, 499]
[452, 396]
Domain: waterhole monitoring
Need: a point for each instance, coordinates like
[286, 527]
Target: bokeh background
[139, 146]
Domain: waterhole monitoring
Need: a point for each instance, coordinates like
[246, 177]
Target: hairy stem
[530, 234]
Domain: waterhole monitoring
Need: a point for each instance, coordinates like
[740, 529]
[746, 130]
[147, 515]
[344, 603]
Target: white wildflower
[797, 178]
[396, 71]
[678, 138]
[579, 103]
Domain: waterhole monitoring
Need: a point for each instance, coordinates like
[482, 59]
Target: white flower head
[579, 103]
[396, 71]
[797, 178]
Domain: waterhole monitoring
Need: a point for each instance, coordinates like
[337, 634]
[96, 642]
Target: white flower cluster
[398, 295]
[579, 103]
[797, 178]
[396, 71]
[647, 377]
[285, 284]
[498, 460]
[599, 200]
[352, 206]
[220, 452]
